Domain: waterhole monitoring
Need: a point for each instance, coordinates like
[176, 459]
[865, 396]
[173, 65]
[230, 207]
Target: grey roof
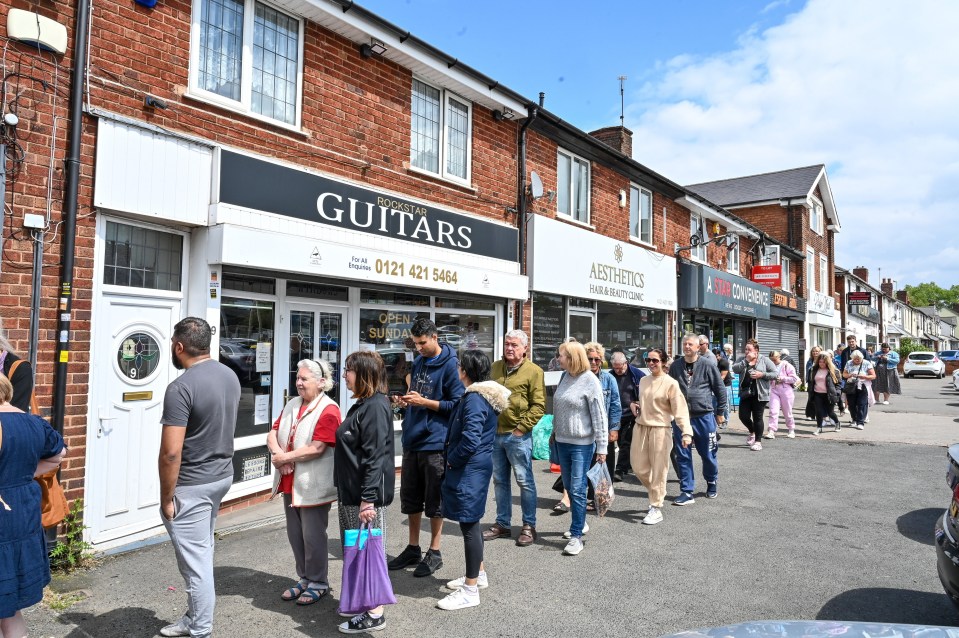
[789, 184]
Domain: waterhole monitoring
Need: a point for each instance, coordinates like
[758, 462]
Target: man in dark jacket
[702, 385]
[851, 346]
[435, 388]
[627, 378]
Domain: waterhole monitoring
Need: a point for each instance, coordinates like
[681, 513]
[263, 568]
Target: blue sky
[723, 89]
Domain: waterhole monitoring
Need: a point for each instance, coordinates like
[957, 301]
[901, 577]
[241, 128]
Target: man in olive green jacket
[513, 447]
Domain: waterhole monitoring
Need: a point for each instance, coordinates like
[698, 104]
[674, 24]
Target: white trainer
[791, 435]
[573, 547]
[482, 581]
[653, 516]
[770, 435]
[179, 628]
[459, 599]
[568, 536]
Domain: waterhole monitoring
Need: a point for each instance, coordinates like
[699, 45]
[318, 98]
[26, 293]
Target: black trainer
[409, 557]
[362, 624]
[431, 562]
[618, 476]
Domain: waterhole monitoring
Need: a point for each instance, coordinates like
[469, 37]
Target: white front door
[130, 373]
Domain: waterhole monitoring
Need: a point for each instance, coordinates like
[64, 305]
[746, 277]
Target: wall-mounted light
[622, 199]
[505, 114]
[375, 47]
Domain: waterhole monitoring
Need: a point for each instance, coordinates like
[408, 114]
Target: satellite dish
[535, 185]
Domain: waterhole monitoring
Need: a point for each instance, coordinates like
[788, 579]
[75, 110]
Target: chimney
[902, 296]
[617, 137]
[862, 272]
[888, 287]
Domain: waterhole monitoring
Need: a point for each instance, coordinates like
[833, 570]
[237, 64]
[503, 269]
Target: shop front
[784, 328]
[822, 322]
[289, 265]
[595, 288]
[719, 305]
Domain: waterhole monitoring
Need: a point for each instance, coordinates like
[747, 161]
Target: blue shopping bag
[350, 536]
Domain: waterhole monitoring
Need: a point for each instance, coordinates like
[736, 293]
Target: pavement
[836, 527]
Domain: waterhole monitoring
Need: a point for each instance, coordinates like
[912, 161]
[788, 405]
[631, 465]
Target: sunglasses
[652, 360]
[594, 359]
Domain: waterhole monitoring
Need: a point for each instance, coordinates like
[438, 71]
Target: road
[837, 527]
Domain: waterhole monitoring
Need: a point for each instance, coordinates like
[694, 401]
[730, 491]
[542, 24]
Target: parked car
[239, 356]
[819, 629]
[949, 355]
[924, 363]
[955, 380]
[947, 532]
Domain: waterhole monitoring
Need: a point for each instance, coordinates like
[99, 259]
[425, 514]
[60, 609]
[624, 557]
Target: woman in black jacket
[822, 380]
[363, 461]
[20, 374]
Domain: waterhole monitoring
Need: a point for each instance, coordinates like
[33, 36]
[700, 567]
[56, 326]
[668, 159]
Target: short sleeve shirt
[724, 367]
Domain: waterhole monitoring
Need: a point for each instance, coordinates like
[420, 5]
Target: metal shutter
[775, 334]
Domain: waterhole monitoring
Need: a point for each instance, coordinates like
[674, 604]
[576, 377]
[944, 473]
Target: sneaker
[653, 516]
[750, 440]
[362, 624]
[770, 435]
[460, 599]
[791, 435]
[817, 432]
[756, 447]
[885, 403]
[686, 498]
[496, 531]
[432, 561]
[866, 420]
[617, 477]
[712, 490]
[860, 426]
[573, 547]
[179, 628]
[482, 581]
[407, 558]
[568, 535]
[838, 427]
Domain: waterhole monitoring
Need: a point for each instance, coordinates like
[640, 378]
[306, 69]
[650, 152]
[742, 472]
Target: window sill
[640, 242]
[202, 99]
[456, 183]
[575, 222]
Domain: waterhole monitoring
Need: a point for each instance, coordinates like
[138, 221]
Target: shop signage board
[822, 304]
[787, 305]
[705, 288]
[566, 260]
[768, 275]
[859, 298]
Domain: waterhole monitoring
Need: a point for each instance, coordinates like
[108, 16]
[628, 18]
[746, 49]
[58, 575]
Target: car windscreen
[921, 357]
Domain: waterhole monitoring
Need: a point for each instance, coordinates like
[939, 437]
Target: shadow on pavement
[115, 623]
[918, 524]
[887, 605]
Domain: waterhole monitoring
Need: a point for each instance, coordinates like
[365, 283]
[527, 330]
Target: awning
[896, 329]
[926, 335]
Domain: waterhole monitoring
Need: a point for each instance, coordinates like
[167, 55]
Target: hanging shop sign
[859, 298]
[768, 275]
[705, 288]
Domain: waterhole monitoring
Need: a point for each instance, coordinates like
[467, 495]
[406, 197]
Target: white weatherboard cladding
[151, 174]
[567, 260]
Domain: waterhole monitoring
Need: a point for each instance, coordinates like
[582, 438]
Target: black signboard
[859, 298]
[705, 288]
[260, 185]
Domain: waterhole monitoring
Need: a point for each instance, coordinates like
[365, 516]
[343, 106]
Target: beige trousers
[649, 456]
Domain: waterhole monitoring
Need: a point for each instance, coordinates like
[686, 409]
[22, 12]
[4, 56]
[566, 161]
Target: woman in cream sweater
[661, 402]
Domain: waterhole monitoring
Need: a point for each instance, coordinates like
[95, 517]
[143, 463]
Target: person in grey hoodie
[755, 372]
[581, 428]
[702, 385]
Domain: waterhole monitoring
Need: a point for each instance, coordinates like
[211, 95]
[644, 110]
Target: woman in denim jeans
[861, 373]
[581, 428]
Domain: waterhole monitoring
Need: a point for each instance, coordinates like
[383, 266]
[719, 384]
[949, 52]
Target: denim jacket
[614, 409]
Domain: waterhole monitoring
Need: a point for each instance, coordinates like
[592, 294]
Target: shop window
[441, 132]
[142, 258]
[465, 304]
[324, 292]
[641, 214]
[464, 331]
[572, 186]
[249, 58]
[549, 323]
[578, 302]
[246, 347]
[387, 331]
[387, 298]
[630, 329]
[249, 283]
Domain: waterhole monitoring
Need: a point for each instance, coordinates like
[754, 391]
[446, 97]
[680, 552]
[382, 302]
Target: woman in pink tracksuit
[781, 396]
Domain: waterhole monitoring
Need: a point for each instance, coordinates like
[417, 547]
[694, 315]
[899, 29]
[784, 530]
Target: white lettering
[445, 229]
[369, 213]
[464, 232]
[422, 226]
[321, 208]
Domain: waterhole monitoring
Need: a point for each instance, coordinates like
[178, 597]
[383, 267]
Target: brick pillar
[617, 137]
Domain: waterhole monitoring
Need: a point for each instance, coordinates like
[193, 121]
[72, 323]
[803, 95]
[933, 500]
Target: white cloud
[868, 88]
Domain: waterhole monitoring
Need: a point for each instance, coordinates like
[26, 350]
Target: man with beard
[196, 465]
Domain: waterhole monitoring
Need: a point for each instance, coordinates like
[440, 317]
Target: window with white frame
[732, 254]
[572, 186]
[641, 214]
[823, 274]
[249, 56]
[770, 256]
[697, 228]
[440, 132]
[810, 271]
[816, 217]
[786, 263]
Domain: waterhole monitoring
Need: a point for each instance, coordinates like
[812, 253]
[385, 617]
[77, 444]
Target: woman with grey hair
[859, 374]
[299, 445]
[18, 371]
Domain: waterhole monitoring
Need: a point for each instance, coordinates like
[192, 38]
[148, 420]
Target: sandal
[561, 508]
[295, 591]
[590, 507]
[311, 595]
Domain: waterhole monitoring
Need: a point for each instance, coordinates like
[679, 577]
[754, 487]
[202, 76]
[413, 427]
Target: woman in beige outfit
[661, 403]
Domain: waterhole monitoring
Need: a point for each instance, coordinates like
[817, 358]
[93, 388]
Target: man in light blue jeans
[196, 466]
[513, 446]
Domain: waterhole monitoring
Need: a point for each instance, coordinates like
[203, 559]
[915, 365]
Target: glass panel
[425, 127]
[385, 297]
[388, 332]
[463, 331]
[246, 331]
[577, 302]
[301, 343]
[274, 57]
[221, 45]
[632, 330]
[634, 211]
[646, 217]
[457, 138]
[316, 335]
[317, 291]
[548, 323]
[470, 304]
[249, 283]
[581, 191]
[564, 169]
[138, 355]
[581, 327]
[142, 257]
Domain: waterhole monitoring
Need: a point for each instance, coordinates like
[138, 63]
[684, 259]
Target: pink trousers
[782, 396]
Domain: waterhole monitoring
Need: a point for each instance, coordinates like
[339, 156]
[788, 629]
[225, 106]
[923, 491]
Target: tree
[929, 294]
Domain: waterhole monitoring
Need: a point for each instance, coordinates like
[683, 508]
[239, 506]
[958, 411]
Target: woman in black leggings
[469, 468]
[755, 372]
[823, 383]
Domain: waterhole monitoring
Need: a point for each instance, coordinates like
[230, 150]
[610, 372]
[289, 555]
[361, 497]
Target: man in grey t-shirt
[196, 465]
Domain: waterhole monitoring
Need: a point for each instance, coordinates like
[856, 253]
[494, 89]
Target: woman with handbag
[755, 372]
[859, 375]
[810, 364]
[364, 478]
[823, 383]
[29, 447]
[304, 476]
[469, 468]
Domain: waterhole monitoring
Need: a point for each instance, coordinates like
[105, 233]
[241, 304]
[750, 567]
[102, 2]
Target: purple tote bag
[366, 584]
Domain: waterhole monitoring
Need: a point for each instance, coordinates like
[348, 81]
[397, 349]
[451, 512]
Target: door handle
[102, 418]
[286, 396]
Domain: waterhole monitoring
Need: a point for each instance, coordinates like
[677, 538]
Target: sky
[714, 90]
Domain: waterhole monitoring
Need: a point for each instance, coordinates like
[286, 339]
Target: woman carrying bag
[822, 379]
[755, 372]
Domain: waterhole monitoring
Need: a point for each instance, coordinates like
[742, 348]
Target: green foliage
[929, 294]
[71, 552]
[907, 345]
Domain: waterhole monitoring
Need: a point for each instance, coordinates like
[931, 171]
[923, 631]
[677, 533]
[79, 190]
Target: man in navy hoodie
[435, 387]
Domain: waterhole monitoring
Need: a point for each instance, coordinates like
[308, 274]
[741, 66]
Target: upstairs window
[732, 256]
[572, 186]
[248, 56]
[810, 271]
[823, 274]
[816, 217]
[697, 228]
[770, 256]
[785, 262]
[641, 214]
[440, 133]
